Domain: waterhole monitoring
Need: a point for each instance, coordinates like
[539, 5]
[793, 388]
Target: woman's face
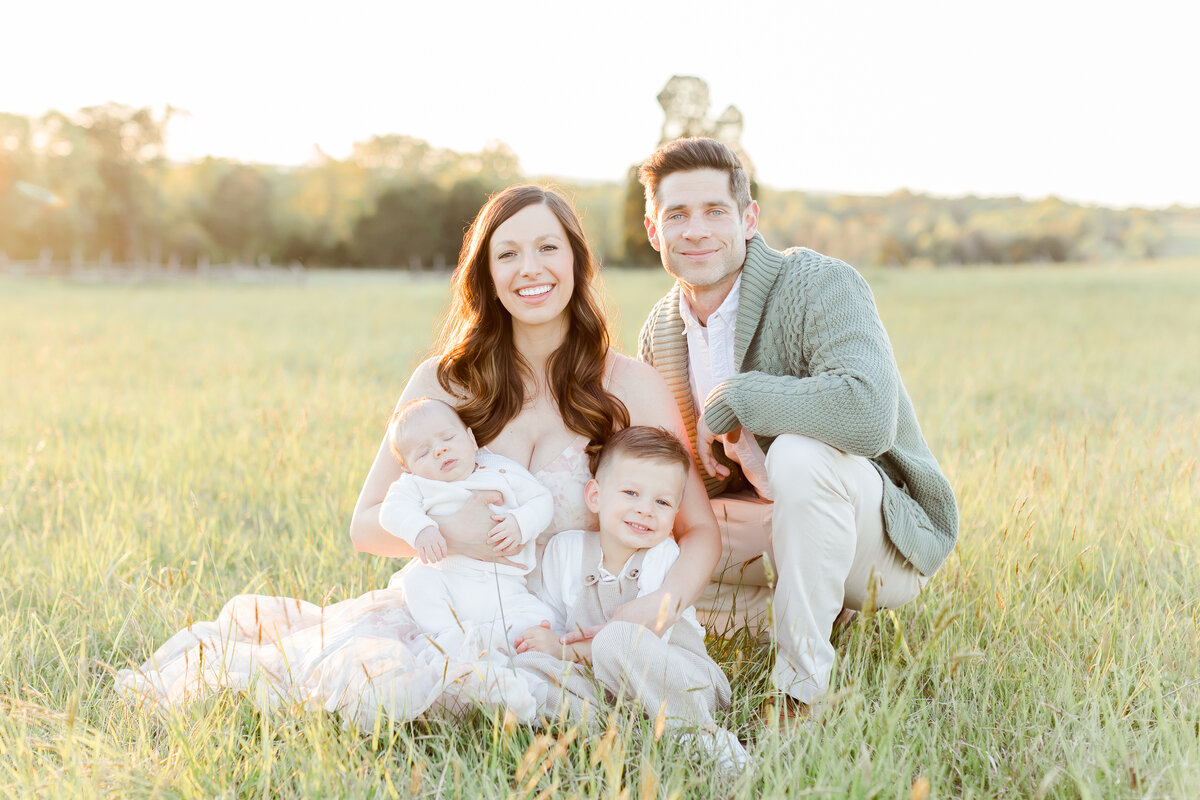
[532, 266]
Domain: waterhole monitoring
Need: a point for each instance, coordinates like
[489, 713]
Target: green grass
[163, 447]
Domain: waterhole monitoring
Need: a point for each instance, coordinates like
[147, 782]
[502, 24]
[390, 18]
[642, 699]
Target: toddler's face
[436, 445]
[636, 500]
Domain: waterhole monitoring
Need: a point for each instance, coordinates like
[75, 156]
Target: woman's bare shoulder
[424, 383]
[638, 385]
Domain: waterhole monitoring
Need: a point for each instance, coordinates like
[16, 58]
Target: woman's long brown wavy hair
[479, 360]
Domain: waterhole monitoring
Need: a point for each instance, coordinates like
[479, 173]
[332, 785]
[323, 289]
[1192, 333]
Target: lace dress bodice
[565, 477]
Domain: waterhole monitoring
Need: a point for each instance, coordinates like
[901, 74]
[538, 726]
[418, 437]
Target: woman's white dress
[361, 657]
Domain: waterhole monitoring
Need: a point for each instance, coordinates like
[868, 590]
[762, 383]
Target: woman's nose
[530, 265]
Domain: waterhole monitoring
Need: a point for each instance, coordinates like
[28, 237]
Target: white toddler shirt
[562, 581]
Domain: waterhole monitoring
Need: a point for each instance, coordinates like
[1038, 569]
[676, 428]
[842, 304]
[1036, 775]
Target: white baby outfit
[458, 596]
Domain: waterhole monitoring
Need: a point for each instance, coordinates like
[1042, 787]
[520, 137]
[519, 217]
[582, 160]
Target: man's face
[698, 230]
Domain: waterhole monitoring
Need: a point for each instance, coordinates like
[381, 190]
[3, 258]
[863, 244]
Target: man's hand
[431, 545]
[466, 530]
[657, 611]
[704, 447]
[505, 538]
[581, 634]
[540, 640]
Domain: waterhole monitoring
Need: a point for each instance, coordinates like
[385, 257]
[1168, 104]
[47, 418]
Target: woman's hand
[658, 611]
[466, 530]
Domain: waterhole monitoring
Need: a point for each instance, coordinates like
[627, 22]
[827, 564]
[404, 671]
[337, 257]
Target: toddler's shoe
[722, 747]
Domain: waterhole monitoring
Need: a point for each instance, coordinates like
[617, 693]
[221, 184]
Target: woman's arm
[365, 531]
[645, 394]
[464, 529]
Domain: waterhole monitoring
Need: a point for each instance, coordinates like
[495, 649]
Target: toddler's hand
[541, 640]
[505, 538]
[431, 545]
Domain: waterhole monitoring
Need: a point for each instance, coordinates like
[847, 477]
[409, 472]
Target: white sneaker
[721, 746]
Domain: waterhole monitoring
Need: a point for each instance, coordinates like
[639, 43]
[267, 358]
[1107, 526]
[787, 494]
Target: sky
[1088, 101]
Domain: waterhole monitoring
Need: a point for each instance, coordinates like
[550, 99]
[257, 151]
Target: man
[805, 436]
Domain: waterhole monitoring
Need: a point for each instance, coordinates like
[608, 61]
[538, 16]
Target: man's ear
[750, 217]
[652, 232]
[591, 496]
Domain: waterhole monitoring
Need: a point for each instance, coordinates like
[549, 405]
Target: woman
[525, 360]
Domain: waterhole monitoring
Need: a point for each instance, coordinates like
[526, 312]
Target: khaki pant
[826, 547]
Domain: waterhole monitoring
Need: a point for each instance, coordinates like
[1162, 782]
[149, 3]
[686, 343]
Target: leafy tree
[238, 213]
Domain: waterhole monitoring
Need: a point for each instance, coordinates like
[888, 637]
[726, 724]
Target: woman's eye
[506, 254]
[549, 248]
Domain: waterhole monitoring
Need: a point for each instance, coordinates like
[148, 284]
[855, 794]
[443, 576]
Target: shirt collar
[726, 311]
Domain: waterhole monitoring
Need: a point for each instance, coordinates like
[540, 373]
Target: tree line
[96, 185]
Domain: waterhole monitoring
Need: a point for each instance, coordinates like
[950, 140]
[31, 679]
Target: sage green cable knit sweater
[813, 359]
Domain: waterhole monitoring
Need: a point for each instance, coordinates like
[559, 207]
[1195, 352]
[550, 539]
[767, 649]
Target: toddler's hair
[642, 441]
[401, 416]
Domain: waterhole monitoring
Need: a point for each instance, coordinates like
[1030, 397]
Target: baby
[449, 594]
[586, 576]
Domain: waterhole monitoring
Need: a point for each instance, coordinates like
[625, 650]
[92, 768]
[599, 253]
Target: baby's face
[636, 500]
[436, 445]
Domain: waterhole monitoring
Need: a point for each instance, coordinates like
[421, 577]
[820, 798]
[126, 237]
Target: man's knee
[799, 466]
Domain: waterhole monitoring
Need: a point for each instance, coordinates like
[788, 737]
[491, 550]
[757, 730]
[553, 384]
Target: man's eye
[675, 217]
[717, 212]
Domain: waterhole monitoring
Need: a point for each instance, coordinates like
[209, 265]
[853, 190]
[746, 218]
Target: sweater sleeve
[645, 350]
[850, 396]
[402, 512]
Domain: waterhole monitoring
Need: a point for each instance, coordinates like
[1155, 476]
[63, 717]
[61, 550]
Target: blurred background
[367, 134]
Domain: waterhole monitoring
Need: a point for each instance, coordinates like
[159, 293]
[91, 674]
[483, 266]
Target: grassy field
[165, 446]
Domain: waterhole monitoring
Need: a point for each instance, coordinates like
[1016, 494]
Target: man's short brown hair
[642, 441]
[683, 155]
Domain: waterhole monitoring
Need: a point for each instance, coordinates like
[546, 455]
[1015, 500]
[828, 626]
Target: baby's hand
[541, 640]
[431, 545]
[505, 538]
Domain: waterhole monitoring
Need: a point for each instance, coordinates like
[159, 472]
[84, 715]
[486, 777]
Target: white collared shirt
[711, 357]
[562, 582]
